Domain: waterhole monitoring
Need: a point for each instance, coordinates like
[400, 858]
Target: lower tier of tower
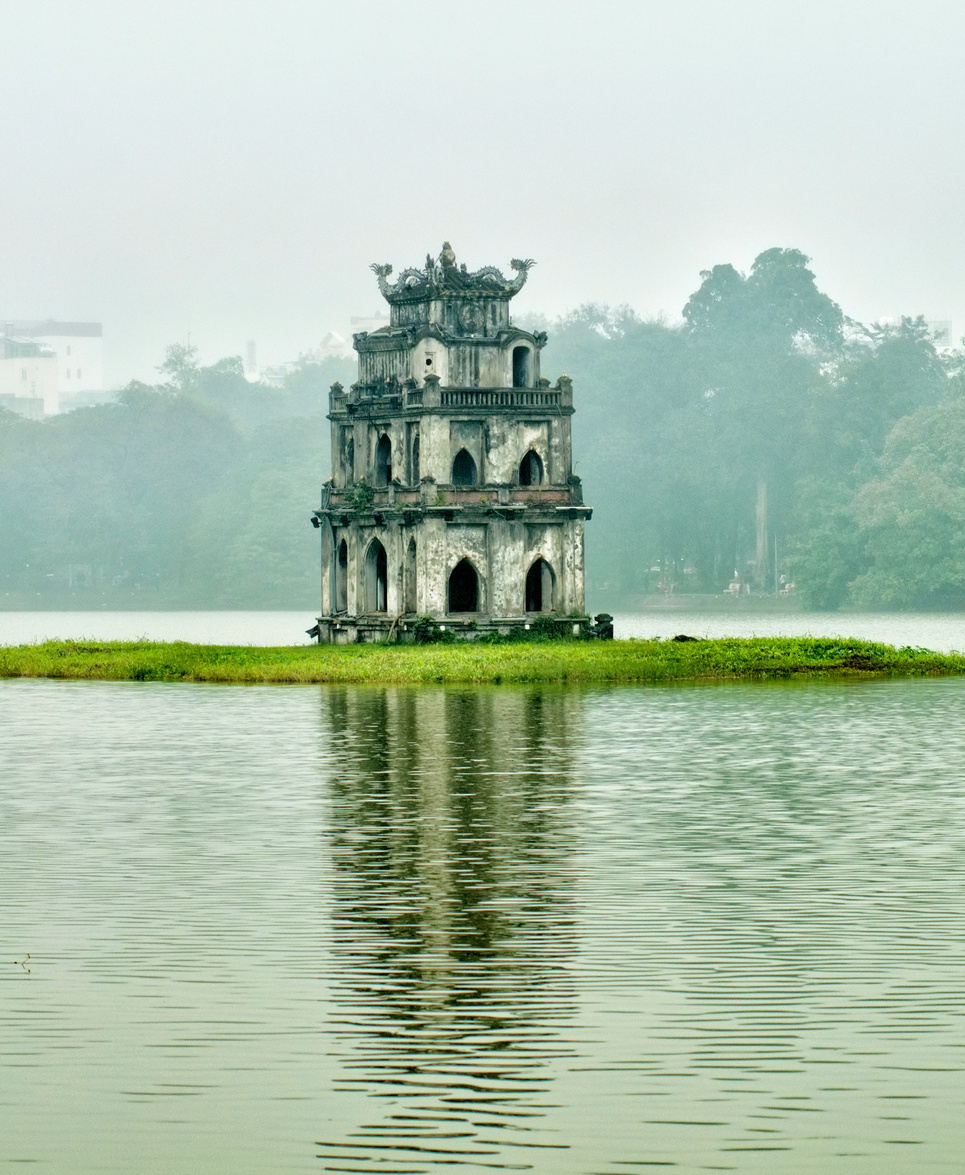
[476, 570]
[351, 630]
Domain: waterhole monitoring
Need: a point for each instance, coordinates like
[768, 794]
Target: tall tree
[760, 342]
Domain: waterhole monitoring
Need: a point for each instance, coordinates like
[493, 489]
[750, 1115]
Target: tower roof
[442, 278]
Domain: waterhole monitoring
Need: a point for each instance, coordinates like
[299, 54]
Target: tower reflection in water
[451, 846]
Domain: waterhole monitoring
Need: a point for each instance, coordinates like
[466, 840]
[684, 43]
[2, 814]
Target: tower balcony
[408, 396]
[496, 398]
[431, 498]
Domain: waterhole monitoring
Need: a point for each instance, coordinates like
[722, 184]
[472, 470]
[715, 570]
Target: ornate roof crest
[442, 276]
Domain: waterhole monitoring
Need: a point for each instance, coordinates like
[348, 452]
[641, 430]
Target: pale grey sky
[232, 168]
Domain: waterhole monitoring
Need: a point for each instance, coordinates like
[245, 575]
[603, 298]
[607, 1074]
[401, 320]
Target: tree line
[766, 437]
[194, 492]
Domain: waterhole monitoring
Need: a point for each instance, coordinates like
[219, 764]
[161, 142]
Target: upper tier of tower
[451, 326]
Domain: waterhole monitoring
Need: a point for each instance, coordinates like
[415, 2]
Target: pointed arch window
[463, 588]
[411, 595]
[464, 469]
[383, 461]
[376, 578]
[540, 587]
[341, 577]
[531, 469]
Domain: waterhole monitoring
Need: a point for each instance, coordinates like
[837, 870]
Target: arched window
[376, 578]
[350, 460]
[383, 461]
[341, 577]
[540, 587]
[464, 469]
[531, 469]
[415, 460]
[522, 367]
[411, 596]
[463, 588]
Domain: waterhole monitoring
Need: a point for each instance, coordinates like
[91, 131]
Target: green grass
[550, 661]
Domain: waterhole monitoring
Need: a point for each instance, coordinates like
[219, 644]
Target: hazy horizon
[232, 171]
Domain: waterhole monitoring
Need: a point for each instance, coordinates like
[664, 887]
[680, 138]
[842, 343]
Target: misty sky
[232, 169]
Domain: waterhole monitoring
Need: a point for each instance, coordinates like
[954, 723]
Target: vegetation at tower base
[562, 662]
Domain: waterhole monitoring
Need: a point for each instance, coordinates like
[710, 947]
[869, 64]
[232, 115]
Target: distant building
[334, 346]
[28, 377]
[252, 374]
[79, 351]
[941, 332]
[369, 323]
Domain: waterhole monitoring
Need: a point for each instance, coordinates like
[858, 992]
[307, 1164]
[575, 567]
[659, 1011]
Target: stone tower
[452, 492]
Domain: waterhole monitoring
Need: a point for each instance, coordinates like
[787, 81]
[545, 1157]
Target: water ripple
[712, 928]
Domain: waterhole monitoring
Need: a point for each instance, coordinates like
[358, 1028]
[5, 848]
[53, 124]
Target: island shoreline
[478, 663]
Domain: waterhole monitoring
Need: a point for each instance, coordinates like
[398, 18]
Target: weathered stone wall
[501, 551]
[439, 380]
[497, 444]
[469, 362]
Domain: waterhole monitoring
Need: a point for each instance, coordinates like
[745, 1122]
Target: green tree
[912, 513]
[180, 366]
[886, 373]
[761, 342]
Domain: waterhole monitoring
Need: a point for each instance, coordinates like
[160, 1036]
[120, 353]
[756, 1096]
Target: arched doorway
[464, 469]
[376, 578]
[531, 469]
[540, 587]
[383, 461]
[522, 367]
[341, 577]
[411, 596]
[463, 588]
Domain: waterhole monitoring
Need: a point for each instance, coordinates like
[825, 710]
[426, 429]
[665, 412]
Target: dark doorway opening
[531, 469]
[463, 588]
[383, 461]
[540, 587]
[376, 578]
[410, 577]
[341, 578]
[522, 367]
[464, 469]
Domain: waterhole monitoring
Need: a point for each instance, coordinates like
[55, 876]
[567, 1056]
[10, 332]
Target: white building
[79, 350]
[28, 377]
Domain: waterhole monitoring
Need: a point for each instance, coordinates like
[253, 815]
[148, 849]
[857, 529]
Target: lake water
[308, 929]
[942, 631]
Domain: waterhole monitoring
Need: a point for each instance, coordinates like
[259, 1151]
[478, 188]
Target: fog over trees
[768, 417]
[195, 492]
[765, 435]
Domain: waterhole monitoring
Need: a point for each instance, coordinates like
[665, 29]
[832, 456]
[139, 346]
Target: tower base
[343, 629]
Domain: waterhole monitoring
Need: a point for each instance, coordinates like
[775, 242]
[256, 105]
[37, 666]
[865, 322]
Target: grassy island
[569, 661]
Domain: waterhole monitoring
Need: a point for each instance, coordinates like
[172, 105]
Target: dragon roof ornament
[442, 277]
